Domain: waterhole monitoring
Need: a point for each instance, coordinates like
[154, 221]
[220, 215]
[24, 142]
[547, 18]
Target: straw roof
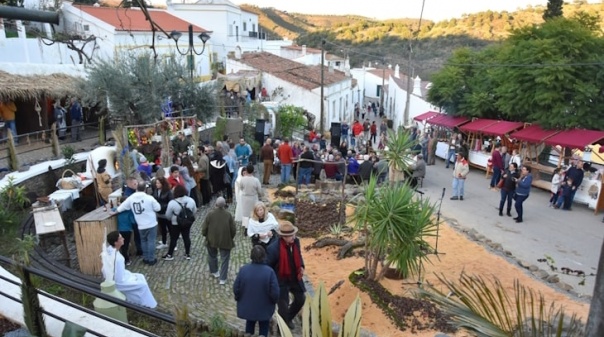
[13, 87]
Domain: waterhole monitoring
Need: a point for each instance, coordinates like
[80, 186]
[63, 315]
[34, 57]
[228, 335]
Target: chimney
[304, 50]
[417, 86]
[397, 71]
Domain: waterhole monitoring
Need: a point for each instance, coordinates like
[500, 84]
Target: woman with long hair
[163, 194]
[185, 171]
[174, 208]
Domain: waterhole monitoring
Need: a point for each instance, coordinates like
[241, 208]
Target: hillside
[367, 40]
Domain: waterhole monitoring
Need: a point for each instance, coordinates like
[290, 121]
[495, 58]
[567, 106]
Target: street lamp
[204, 37]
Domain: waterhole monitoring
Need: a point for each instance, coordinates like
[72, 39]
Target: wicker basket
[68, 183]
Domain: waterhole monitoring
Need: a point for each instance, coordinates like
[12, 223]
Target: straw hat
[286, 229]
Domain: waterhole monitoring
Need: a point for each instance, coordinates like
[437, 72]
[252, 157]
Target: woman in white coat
[238, 213]
[133, 285]
[251, 191]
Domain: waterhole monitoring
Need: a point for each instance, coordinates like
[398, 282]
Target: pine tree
[554, 9]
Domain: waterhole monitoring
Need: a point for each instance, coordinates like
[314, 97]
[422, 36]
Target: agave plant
[316, 317]
[396, 225]
[487, 310]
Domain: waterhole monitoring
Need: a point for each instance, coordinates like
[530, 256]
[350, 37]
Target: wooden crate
[89, 235]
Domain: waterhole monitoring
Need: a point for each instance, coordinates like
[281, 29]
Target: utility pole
[322, 125]
[409, 79]
[383, 85]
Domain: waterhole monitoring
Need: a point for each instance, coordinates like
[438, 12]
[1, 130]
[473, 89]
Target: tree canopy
[553, 10]
[135, 86]
[551, 74]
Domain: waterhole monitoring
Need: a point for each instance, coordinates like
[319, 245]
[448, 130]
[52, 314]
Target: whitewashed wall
[395, 106]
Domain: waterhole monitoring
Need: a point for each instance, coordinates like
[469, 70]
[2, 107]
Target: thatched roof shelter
[19, 87]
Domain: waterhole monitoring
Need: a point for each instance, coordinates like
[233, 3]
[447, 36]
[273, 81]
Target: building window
[333, 110]
[337, 63]
[379, 91]
[245, 26]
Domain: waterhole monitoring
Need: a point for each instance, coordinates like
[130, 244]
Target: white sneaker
[222, 282]
[216, 274]
[175, 248]
[162, 246]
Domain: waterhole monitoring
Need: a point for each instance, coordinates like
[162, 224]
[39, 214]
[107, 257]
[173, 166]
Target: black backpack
[185, 217]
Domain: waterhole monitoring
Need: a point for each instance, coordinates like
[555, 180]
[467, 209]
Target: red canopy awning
[477, 125]
[426, 116]
[533, 134]
[576, 138]
[448, 121]
[502, 128]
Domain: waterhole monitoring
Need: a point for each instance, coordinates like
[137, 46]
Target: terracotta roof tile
[308, 77]
[133, 19]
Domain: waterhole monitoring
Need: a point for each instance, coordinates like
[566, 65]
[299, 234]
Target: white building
[289, 82]
[124, 30]
[312, 56]
[396, 99]
[233, 29]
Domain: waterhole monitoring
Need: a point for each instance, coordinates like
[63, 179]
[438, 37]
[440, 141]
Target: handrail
[39, 132]
[68, 283]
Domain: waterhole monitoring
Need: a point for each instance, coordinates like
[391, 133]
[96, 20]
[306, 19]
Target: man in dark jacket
[509, 187]
[219, 230]
[76, 119]
[366, 169]
[576, 173]
[285, 257]
[256, 291]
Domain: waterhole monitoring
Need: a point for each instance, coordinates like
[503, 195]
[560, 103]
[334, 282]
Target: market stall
[530, 142]
[443, 125]
[482, 133]
[578, 140]
[423, 118]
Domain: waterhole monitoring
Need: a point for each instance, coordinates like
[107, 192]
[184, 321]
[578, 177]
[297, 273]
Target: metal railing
[28, 271]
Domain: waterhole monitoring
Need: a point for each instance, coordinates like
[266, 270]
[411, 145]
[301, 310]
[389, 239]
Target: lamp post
[204, 37]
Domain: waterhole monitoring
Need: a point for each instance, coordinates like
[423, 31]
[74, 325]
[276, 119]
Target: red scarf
[285, 269]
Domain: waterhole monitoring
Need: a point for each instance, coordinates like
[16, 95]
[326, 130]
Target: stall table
[48, 221]
[89, 234]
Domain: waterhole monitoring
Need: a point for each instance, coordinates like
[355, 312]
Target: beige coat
[103, 181]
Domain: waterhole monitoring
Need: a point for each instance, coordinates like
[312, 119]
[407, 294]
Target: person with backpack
[181, 210]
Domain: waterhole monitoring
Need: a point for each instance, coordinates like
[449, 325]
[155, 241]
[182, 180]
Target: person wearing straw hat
[285, 257]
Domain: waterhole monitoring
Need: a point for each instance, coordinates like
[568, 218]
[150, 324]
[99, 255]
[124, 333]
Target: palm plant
[396, 225]
[398, 151]
[486, 309]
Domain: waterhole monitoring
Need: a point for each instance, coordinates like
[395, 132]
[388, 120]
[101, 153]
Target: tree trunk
[595, 320]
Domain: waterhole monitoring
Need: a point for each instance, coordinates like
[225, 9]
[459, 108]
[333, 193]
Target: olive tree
[134, 87]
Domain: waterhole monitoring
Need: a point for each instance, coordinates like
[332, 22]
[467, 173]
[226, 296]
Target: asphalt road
[571, 238]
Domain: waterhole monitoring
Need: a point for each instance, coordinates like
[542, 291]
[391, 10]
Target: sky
[435, 10]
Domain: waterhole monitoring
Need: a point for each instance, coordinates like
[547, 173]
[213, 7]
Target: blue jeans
[225, 256]
[250, 327]
[148, 237]
[518, 205]
[450, 157]
[506, 195]
[425, 152]
[496, 176]
[12, 126]
[304, 175]
[353, 142]
[458, 187]
[286, 170]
